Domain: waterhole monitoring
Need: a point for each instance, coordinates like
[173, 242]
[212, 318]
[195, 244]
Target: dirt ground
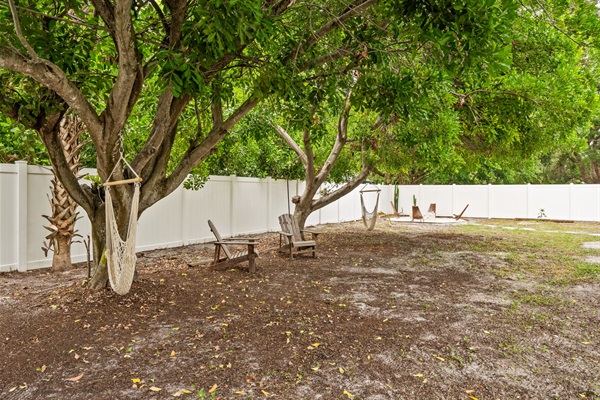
[406, 311]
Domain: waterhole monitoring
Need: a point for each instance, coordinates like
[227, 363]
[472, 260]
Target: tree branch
[197, 154]
[292, 143]
[49, 134]
[340, 141]
[17, 23]
[342, 191]
[51, 76]
[353, 9]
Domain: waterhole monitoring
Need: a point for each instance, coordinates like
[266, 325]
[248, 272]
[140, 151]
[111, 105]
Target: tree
[512, 122]
[212, 58]
[316, 174]
[64, 209]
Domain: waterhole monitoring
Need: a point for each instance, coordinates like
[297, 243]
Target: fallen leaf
[136, 380]
[155, 389]
[315, 368]
[341, 370]
[75, 378]
[213, 388]
[418, 375]
[473, 398]
[265, 393]
[239, 392]
[173, 353]
[315, 345]
[43, 368]
[347, 393]
[469, 391]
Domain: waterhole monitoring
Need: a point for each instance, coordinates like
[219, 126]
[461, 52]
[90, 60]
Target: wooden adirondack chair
[233, 257]
[294, 240]
[460, 216]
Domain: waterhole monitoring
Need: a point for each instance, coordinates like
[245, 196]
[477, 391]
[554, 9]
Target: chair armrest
[309, 231]
[313, 233]
[285, 234]
[235, 242]
[238, 239]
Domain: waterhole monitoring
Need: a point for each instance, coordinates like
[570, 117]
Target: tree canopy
[451, 83]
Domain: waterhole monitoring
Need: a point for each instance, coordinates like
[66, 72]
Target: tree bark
[61, 258]
[100, 277]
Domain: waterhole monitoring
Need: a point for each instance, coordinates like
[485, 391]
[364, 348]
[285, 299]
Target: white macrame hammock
[120, 254]
[369, 218]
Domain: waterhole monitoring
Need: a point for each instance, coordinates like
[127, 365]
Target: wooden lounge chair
[396, 213]
[460, 216]
[232, 258]
[432, 209]
[294, 237]
[416, 214]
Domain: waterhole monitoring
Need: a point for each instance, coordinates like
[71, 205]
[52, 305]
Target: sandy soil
[408, 311]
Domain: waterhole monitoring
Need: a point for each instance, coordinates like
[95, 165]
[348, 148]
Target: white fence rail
[250, 205]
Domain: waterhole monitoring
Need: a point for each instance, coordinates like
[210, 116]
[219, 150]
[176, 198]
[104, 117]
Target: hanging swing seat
[293, 237]
[120, 254]
[369, 218]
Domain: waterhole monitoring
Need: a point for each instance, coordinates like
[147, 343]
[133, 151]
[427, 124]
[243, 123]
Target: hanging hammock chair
[120, 254]
[369, 218]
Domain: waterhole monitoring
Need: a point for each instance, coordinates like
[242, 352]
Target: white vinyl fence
[240, 206]
[236, 205]
[558, 202]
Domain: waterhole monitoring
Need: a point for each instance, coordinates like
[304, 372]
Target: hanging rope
[369, 218]
[120, 254]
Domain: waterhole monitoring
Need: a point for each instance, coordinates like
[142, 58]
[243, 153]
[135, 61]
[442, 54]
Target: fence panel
[250, 205]
[161, 224]
[38, 188]
[553, 200]
[508, 201]
[585, 202]
[9, 223]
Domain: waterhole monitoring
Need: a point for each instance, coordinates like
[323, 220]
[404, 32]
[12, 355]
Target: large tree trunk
[100, 278]
[61, 258]
[301, 213]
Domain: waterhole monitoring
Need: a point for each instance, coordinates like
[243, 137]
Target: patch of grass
[588, 270]
[552, 256]
[537, 299]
